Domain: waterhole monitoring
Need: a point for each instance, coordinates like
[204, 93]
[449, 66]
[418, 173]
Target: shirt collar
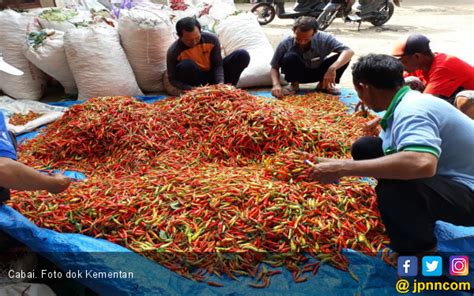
[393, 104]
[313, 42]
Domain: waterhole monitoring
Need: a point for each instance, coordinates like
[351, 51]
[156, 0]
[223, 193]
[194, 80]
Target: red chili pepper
[214, 284]
[208, 181]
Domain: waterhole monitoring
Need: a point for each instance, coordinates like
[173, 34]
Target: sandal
[329, 91]
[288, 91]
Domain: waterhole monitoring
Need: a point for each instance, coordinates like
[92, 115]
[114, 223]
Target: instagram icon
[458, 265]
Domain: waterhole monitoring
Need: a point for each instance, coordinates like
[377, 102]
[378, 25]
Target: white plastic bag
[146, 36]
[14, 28]
[242, 31]
[49, 113]
[63, 19]
[49, 55]
[98, 63]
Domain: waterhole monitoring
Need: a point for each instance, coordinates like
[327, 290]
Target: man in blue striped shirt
[309, 56]
[423, 159]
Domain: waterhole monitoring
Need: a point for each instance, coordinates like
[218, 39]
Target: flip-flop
[333, 92]
[291, 91]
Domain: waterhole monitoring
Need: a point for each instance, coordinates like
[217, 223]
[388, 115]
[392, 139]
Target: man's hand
[329, 80]
[18, 176]
[277, 91]
[371, 126]
[327, 171]
[58, 183]
[360, 107]
[312, 156]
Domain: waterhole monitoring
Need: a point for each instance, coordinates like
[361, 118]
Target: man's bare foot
[327, 90]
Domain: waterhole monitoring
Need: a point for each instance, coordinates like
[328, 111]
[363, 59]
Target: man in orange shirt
[195, 58]
[441, 75]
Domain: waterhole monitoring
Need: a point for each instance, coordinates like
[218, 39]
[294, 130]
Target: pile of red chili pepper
[22, 119]
[208, 183]
[178, 5]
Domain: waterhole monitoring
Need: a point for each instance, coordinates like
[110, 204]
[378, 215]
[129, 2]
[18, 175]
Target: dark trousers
[5, 192]
[188, 72]
[410, 208]
[295, 70]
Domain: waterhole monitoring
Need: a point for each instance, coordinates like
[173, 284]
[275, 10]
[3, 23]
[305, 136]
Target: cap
[410, 45]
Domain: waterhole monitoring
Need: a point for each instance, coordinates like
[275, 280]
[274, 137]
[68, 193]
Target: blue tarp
[83, 255]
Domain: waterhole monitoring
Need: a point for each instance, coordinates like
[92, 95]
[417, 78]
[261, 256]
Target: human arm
[414, 141]
[171, 62]
[330, 76]
[217, 63]
[277, 89]
[15, 175]
[405, 165]
[328, 44]
[371, 126]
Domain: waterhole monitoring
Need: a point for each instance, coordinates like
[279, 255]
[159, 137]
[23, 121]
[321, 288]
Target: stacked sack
[62, 19]
[82, 51]
[91, 57]
[45, 49]
[14, 28]
[98, 62]
[242, 31]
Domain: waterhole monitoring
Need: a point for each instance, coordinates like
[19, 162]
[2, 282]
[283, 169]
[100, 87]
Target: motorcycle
[266, 10]
[376, 12]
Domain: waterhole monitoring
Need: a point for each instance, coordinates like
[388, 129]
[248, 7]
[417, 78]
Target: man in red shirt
[442, 75]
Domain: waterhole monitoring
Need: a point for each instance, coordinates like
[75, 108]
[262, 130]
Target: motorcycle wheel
[265, 13]
[385, 14]
[325, 19]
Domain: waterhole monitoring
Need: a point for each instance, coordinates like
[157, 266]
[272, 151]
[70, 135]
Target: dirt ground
[448, 24]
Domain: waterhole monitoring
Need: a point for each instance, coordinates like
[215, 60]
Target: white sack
[146, 36]
[242, 31]
[220, 10]
[9, 107]
[14, 28]
[62, 19]
[50, 57]
[98, 63]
